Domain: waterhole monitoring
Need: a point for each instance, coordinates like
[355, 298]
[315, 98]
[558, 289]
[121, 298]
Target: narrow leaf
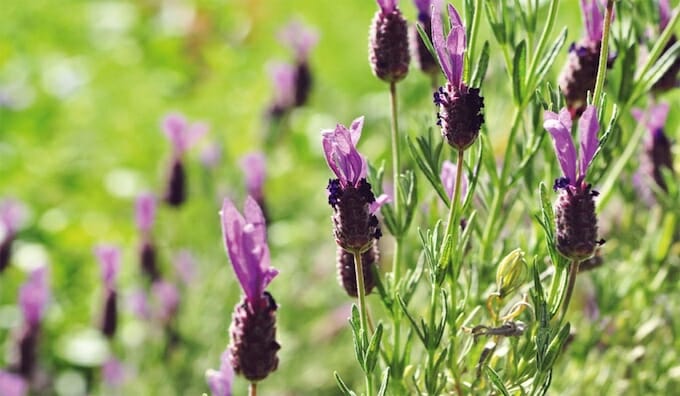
[519, 70]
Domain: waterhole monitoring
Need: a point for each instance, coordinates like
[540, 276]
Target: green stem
[252, 389]
[451, 228]
[363, 317]
[660, 45]
[604, 53]
[573, 270]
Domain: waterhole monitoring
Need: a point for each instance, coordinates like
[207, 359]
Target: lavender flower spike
[182, 135]
[575, 210]
[145, 212]
[245, 240]
[460, 107]
[657, 151]
[420, 52]
[254, 167]
[33, 296]
[283, 77]
[109, 260]
[388, 52]
[339, 147]
[12, 384]
[220, 382]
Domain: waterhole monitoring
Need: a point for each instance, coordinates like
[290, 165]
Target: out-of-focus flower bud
[512, 272]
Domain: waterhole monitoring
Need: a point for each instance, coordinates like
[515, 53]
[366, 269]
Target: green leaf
[519, 65]
[659, 68]
[343, 387]
[426, 40]
[547, 61]
[385, 381]
[426, 154]
[496, 380]
[482, 64]
[373, 350]
[413, 322]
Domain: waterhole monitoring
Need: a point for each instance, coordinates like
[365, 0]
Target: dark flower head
[347, 269]
[421, 54]
[283, 77]
[657, 150]
[11, 216]
[388, 51]
[245, 241]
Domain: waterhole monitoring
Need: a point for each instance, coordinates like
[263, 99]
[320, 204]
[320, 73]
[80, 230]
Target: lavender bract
[254, 166]
[283, 79]
[253, 345]
[220, 381]
[388, 52]
[575, 211]
[460, 107]
[301, 39]
[657, 150]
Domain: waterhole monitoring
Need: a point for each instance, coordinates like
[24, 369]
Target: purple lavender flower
[109, 261]
[220, 382]
[185, 266]
[300, 38]
[11, 216]
[388, 51]
[113, 372]
[575, 211]
[448, 176]
[253, 345]
[460, 107]
[182, 136]
[33, 297]
[12, 384]
[254, 166]
[283, 79]
[167, 298]
[657, 151]
[579, 74]
[350, 195]
[145, 212]
[139, 304]
[664, 14]
[422, 55]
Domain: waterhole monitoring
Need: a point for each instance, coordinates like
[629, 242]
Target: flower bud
[512, 272]
[576, 223]
[388, 46]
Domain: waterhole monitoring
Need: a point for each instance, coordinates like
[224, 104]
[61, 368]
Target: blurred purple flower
[210, 155]
[283, 77]
[245, 241]
[655, 120]
[657, 149]
[33, 296]
[300, 38]
[145, 212]
[254, 167]
[448, 176]
[182, 135]
[450, 50]
[109, 260]
[339, 147]
[139, 304]
[12, 384]
[387, 6]
[664, 13]
[593, 19]
[113, 372]
[559, 126]
[12, 213]
[220, 382]
[185, 266]
[167, 298]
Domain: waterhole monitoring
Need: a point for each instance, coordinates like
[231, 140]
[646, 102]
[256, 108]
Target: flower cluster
[388, 52]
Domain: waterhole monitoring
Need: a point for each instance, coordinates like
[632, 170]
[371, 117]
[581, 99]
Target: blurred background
[84, 86]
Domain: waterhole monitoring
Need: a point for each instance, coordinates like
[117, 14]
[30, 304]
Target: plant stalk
[252, 389]
[363, 317]
[573, 271]
[604, 53]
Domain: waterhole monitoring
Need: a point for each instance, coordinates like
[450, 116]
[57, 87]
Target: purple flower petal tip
[182, 135]
[300, 38]
[12, 384]
[450, 49]
[145, 212]
[220, 381]
[33, 296]
[423, 6]
[245, 241]
[387, 6]
[12, 214]
[109, 261]
[254, 166]
[339, 147]
[664, 13]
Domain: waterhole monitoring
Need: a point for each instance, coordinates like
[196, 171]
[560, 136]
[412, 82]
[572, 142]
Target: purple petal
[33, 296]
[588, 127]
[185, 266]
[448, 177]
[283, 79]
[139, 304]
[145, 212]
[593, 19]
[220, 382]
[300, 38]
[381, 200]
[113, 372]
[456, 43]
[423, 6]
[12, 213]
[341, 154]
[355, 130]
[254, 168]
[563, 143]
[656, 119]
[12, 384]
[167, 297]
[109, 261]
[174, 125]
[387, 6]
[439, 42]
[664, 13]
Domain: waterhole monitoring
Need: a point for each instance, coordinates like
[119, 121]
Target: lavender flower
[422, 55]
[448, 177]
[579, 74]
[145, 212]
[109, 260]
[575, 211]
[182, 136]
[167, 297]
[388, 51]
[301, 39]
[657, 150]
[12, 384]
[254, 167]
[11, 215]
[220, 382]
[185, 266]
[113, 372]
[669, 79]
[139, 304]
[253, 345]
[460, 107]
[283, 79]
[33, 297]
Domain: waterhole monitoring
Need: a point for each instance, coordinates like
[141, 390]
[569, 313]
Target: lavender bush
[500, 217]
